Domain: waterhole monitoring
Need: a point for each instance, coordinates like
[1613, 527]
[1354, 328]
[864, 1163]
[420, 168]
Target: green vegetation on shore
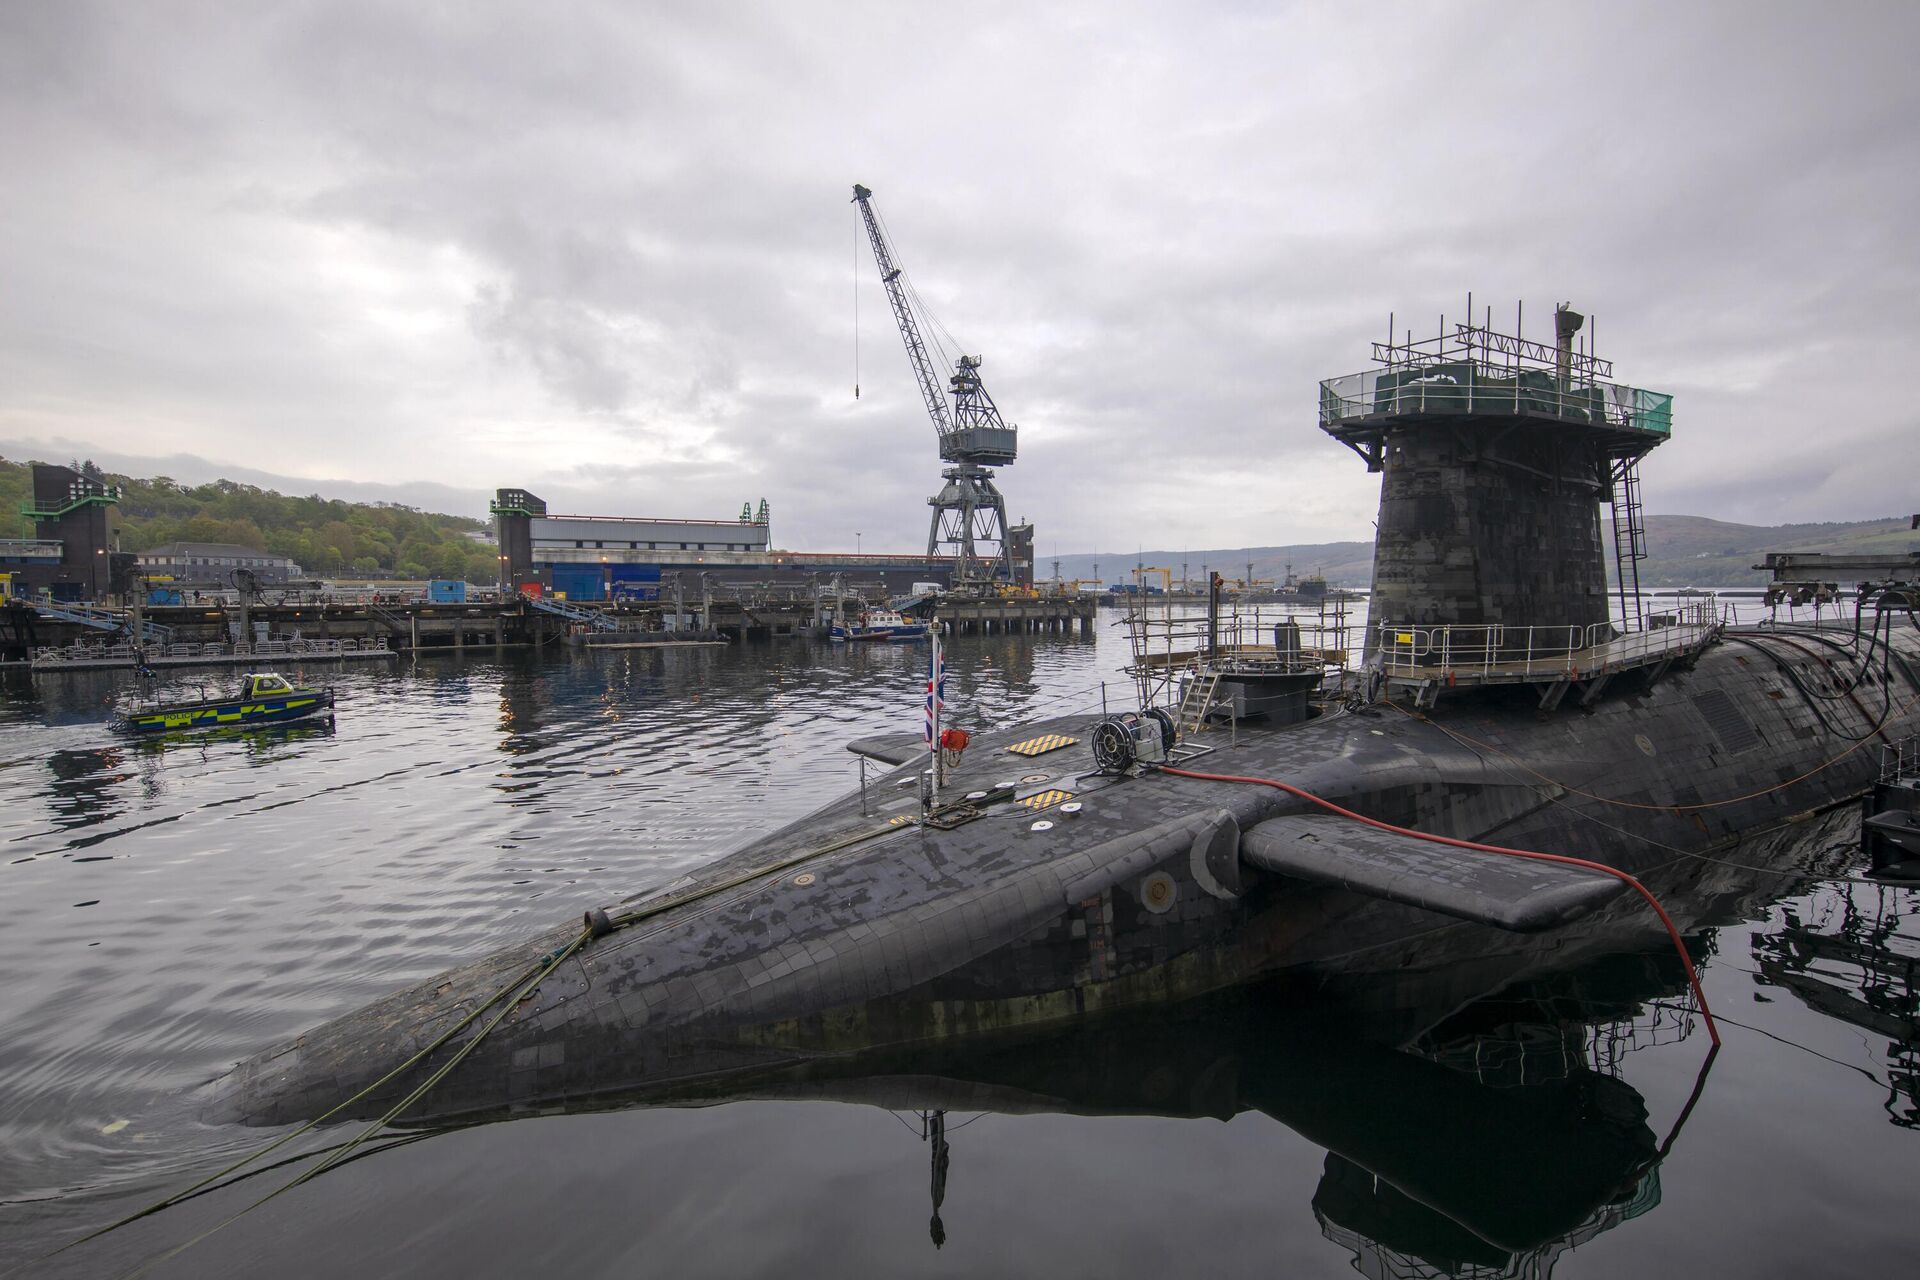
[332, 538]
[325, 537]
[1688, 551]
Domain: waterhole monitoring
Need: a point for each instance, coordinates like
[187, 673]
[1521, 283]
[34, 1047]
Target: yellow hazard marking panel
[210, 715]
[1041, 745]
[1044, 799]
[899, 819]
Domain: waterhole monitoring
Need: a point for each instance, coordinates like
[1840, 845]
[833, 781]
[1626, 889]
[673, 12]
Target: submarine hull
[852, 929]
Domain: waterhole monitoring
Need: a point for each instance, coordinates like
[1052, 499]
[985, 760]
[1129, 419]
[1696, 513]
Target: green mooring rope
[525, 983]
[346, 1149]
[528, 979]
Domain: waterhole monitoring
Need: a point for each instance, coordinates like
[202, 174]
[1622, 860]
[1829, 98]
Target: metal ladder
[592, 617]
[1195, 701]
[396, 624]
[1629, 539]
[104, 620]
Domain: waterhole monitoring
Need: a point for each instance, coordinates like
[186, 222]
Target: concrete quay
[431, 627]
[1030, 615]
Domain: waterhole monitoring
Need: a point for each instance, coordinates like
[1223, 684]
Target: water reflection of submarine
[1855, 965]
[1422, 1159]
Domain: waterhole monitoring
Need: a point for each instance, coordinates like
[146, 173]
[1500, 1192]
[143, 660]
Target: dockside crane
[969, 515]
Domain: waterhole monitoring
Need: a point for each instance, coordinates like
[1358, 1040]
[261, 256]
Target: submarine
[1265, 815]
[1480, 1119]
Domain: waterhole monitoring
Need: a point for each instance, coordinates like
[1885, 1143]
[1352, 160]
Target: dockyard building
[212, 563]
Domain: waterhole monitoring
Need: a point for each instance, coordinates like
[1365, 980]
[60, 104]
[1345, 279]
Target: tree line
[325, 536]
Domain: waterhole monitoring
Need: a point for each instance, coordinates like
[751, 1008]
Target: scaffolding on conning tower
[1182, 651]
[1471, 369]
[1490, 563]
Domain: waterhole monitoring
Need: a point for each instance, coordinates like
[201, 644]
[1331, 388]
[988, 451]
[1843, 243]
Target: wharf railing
[101, 619]
[572, 612]
[1526, 654]
[124, 654]
[82, 614]
[78, 497]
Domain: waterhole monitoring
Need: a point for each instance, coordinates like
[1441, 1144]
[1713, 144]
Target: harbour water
[168, 908]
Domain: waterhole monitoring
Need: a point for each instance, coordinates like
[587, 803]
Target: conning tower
[1495, 453]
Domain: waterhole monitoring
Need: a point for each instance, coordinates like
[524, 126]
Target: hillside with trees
[326, 537]
[1682, 551]
[332, 538]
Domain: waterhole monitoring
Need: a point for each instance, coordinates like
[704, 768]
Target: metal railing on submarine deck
[1900, 760]
[1490, 653]
[1172, 641]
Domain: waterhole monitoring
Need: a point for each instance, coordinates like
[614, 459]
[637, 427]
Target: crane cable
[1531, 855]
[856, 306]
[938, 335]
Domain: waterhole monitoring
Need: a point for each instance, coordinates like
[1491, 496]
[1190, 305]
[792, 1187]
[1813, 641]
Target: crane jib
[972, 431]
[969, 514]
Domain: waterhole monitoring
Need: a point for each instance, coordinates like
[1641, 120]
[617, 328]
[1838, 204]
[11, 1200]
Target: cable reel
[1123, 741]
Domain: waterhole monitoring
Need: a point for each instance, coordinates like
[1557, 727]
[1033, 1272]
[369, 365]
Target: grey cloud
[612, 255]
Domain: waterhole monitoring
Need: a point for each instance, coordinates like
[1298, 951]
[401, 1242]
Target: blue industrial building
[611, 558]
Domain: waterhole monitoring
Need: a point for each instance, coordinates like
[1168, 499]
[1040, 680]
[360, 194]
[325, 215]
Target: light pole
[856, 542]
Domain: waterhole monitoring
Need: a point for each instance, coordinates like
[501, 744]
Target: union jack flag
[936, 690]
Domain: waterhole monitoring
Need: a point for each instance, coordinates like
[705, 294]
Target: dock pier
[49, 642]
[1034, 615]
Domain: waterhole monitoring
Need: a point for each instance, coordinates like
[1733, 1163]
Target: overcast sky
[606, 251]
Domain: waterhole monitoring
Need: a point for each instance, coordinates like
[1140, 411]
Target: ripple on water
[240, 889]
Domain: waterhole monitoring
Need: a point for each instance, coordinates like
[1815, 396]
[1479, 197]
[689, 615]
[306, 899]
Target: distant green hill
[331, 537]
[324, 536]
[1683, 551]
[1341, 563]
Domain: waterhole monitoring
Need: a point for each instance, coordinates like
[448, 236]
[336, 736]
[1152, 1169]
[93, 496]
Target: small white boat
[879, 624]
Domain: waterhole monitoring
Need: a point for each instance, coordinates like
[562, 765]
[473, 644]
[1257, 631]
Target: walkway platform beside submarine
[1019, 615]
[197, 634]
[108, 657]
[1426, 661]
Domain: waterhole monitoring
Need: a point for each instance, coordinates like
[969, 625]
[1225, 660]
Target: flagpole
[934, 681]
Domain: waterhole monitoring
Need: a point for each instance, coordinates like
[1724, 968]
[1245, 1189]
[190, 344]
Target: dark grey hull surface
[1163, 889]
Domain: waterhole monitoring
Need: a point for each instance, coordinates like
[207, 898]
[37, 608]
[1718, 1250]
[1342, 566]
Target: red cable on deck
[1693, 978]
